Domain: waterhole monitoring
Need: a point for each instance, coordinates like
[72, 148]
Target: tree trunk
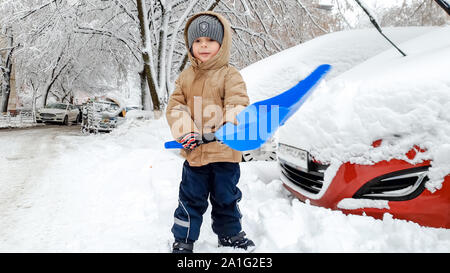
[6, 87]
[53, 80]
[144, 90]
[6, 91]
[145, 54]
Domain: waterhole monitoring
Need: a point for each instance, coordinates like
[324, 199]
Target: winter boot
[180, 247]
[237, 241]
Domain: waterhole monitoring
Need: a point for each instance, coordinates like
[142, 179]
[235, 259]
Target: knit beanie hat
[205, 26]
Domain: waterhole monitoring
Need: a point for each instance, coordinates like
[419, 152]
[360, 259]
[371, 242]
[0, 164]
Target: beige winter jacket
[206, 96]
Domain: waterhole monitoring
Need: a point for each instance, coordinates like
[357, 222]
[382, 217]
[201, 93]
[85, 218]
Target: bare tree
[87, 45]
[146, 57]
[415, 13]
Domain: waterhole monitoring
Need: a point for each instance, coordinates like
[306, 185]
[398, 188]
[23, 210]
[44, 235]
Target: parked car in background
[102, 114]
[63, 113]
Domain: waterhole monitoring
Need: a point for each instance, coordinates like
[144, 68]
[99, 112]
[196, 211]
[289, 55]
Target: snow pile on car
[343, 50]
[404, 101]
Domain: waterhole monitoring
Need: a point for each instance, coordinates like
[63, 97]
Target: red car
[400, 184]
[398, 103]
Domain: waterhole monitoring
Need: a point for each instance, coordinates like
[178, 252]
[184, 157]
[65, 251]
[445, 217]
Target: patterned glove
[190, 141]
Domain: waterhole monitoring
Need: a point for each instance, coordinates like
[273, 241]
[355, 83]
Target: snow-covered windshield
[102, 106]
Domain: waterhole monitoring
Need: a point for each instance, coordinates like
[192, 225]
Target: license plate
[294, 156]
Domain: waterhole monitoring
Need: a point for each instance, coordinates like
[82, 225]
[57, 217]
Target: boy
[208, 94]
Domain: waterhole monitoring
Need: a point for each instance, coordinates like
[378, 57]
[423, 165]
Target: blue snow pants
[218, 180]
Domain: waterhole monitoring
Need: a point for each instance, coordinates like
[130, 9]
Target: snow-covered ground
[61, 191]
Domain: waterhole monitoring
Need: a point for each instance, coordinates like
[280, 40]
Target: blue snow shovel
[260, 120]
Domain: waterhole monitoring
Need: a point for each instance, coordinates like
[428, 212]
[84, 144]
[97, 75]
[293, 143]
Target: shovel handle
[206, 138]
[173, 145]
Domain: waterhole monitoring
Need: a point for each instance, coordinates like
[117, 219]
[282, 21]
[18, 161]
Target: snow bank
[117, 193]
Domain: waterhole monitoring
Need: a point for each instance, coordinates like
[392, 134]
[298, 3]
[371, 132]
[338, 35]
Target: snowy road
[61, 191]
[26, 154]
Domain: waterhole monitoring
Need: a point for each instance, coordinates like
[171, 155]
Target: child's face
[204, 48]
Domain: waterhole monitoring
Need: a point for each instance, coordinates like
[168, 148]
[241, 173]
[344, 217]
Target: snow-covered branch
[173, 42]
[105, 32]
[111, 44]
[127, 11]
[6, 48]
[35, 9]
[310, 16]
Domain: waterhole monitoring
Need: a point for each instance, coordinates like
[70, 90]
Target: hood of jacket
[223, 56]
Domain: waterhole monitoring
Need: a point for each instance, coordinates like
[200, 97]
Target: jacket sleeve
[235, 97]
[178, 114]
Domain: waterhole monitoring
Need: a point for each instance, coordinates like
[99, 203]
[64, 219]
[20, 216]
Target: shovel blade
[259, 121]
